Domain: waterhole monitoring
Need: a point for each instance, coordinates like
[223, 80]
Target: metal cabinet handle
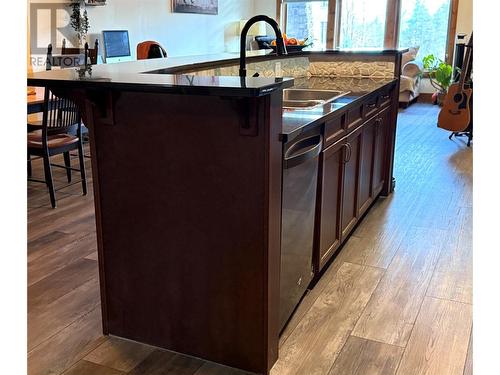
[384, 97]
[345, 155]
[373, 105]
[378, 123]
[348, 153]
[302, 151]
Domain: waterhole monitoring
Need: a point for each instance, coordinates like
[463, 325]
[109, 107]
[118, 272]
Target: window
[307, 20]
[424, 23]
[372, 23]
[362, 23]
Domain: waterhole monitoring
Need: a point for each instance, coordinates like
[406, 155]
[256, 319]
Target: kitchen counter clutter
[216, 207]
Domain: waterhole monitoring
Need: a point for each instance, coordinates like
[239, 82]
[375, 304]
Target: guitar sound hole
[457, 98]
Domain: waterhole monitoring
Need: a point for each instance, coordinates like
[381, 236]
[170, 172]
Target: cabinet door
[351, 183]
[365, 196]
[381, 126]
[330, 194]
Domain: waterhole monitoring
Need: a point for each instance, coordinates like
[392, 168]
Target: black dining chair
[34, 120]
[91, 54]
[60, 116]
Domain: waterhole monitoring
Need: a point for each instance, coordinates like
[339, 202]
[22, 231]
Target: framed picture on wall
[196, 6]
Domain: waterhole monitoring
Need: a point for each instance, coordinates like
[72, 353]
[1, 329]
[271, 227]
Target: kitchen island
[187, 166]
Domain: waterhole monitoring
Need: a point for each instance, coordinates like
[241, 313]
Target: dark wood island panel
[187, 177]
[188, 202]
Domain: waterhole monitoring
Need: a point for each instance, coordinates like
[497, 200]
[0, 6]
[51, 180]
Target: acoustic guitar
[455, 113]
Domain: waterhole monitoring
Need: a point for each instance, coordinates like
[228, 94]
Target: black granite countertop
[168, 83]
[295, 121]
[131, 75]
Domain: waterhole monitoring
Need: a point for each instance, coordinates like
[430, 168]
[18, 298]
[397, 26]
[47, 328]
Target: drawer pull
[385, 97]
[348, 152]
[373, 105]
[378, 123]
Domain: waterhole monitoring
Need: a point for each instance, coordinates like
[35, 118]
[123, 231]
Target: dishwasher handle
[302, 151]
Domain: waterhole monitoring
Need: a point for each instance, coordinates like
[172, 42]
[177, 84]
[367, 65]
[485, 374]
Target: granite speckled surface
[76, 78]
[358, 77]
[166, 74]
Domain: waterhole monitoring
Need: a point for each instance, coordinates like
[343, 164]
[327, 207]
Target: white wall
[267, 7]
[181, 34]
[464, 17]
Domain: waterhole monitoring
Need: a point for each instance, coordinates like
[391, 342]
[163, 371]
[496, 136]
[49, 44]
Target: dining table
[35, 100]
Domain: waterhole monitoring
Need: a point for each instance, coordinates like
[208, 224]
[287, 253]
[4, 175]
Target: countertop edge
[263, 90]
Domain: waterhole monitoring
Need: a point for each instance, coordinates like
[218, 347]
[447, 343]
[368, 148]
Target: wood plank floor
[396, 300]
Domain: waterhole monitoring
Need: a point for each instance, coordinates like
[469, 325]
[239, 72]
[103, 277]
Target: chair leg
[30, 172]
[48, 179]
[67, 163]
[82, 167]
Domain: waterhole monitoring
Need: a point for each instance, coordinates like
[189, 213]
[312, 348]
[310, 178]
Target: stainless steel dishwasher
[300, 175]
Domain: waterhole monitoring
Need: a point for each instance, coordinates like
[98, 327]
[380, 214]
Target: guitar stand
[467, 134]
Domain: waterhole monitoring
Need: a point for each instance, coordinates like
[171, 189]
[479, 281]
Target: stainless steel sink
[307, 99]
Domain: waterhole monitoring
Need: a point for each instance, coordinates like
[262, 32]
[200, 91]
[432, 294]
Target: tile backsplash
[370, 69]
[299, 67]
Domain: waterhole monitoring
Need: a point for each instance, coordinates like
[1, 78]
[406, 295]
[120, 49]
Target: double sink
[308, 98]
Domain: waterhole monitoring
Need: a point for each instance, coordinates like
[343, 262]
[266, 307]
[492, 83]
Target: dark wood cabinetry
[351, 173]
[351, 182]
[365, 191]
[329, 208]
[379, 158]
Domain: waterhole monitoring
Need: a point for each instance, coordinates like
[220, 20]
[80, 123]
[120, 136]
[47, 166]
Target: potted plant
[79, 20]
[440, 75]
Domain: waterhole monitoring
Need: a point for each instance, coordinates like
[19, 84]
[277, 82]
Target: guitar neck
[466, 64]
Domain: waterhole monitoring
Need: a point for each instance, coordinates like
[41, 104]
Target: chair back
[69, 50]
[150, 50]
[60, 115]
[90, 53]
[48, 61]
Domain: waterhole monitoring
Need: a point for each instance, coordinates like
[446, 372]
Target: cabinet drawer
[354, 118]
[384, 98]
[370, 107]
[334, 129]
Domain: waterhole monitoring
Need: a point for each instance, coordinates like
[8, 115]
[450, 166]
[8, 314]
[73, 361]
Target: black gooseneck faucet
[280, 43]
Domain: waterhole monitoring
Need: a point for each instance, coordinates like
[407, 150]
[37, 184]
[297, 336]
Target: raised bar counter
[187, 163]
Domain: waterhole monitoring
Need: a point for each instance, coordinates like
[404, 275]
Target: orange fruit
[293, 42]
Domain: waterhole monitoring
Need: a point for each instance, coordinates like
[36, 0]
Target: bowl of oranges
[292, 44]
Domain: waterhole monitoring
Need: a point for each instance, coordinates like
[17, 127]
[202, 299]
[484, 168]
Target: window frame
[392, 26]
